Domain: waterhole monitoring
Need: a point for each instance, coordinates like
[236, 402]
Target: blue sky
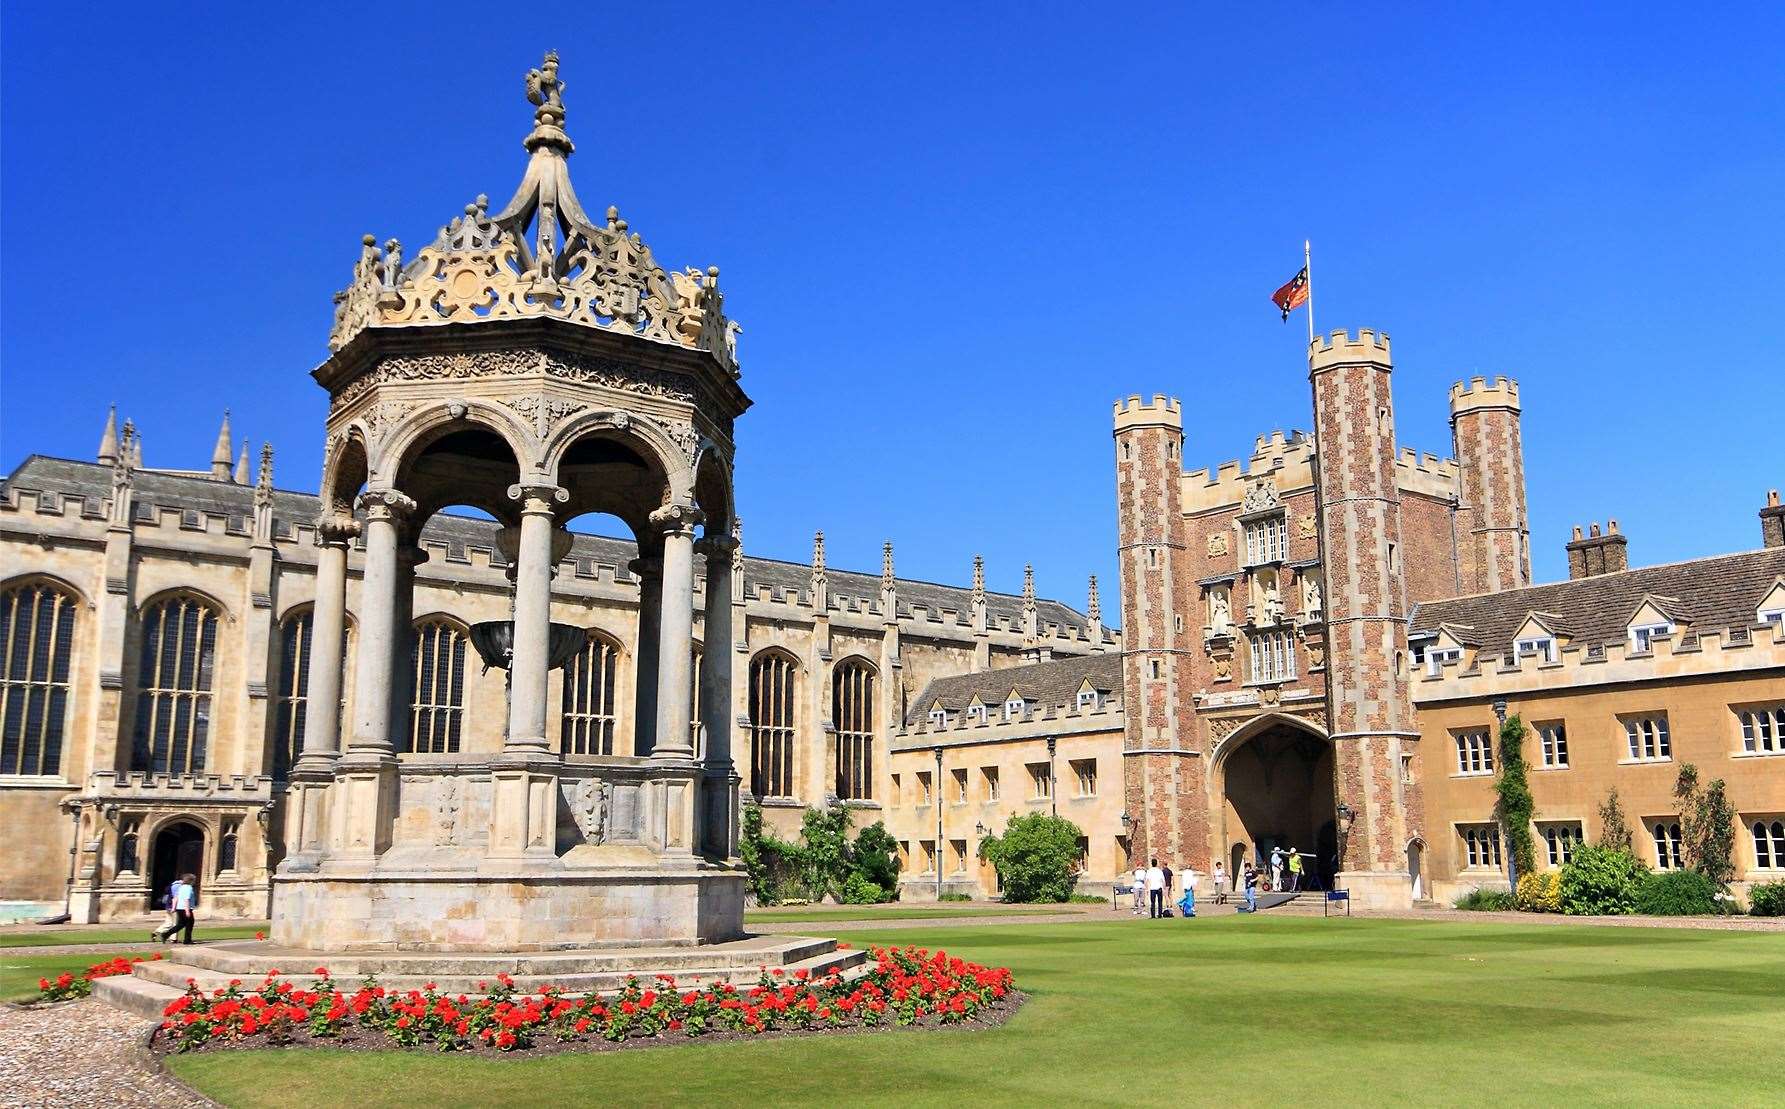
[954, 236]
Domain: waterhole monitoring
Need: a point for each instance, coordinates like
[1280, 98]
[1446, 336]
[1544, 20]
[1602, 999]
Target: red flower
[322, 972]
[260, 935]
[505, 1040]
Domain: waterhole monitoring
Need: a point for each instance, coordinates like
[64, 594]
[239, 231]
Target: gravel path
[81, 1053]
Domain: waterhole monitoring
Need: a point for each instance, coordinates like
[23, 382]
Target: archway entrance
[1277, 790]
[1415, 866]
[179, 849]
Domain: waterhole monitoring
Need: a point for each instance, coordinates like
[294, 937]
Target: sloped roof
[1719, 592]
[1046, 684]
[178, 491]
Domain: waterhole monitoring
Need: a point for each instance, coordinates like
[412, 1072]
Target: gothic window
[1267, 540]
[1648, 738]
[988, 776]
[1560, 840]
[771, 725]
[36, 640]
[1273, 656]
[1667, 844]
[1475, 752]
[852, 711]
[226, 847]
[1085, 770]
[438, 680]
[590, 686]
[129, 839]
[1481, 846]
[1041, 781]
[1769, 844]
[173, 697]
[1554, 740]
[294, 689]
[1763, 729]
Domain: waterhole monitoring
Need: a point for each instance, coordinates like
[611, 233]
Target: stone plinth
[1377, 890]
[516, 908]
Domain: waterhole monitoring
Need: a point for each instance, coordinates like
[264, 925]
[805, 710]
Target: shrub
[1540, 892]
[1601, 881]
[1614, 830]
[1767, 899]
[1515, 807]
[875, 858]
[955, 895]
[66, 987]
[1486, 901]
[770, 862]
[858, 890]
[1677, 893]
[1707, 825]
[1036, 857]
[824, 851]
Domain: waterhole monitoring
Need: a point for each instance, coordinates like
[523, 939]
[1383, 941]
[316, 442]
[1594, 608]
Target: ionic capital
[386, 505]
[677, 519]
[538, 498]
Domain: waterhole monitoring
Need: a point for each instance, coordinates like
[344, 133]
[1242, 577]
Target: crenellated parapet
[1424, 472]
[1161, 411]
[1286, 458]
[1341, 348]
[1479, 394]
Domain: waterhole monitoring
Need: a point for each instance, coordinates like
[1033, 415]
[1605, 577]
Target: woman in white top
[1220, 877]
[1139, 879]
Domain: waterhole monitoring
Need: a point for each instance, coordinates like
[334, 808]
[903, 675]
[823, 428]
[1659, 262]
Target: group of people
[1153, 883]
[182, 899]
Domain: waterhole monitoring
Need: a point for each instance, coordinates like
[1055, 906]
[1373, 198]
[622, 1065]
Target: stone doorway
[1277, 791]
[179, 849]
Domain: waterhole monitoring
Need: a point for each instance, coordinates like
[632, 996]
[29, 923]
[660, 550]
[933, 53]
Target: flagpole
[1308, 268]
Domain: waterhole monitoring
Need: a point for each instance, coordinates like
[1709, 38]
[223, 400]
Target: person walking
[1165, 906]
[1295, 869]
[1251, 889]
[185, 901]
[1187, 905]
[1155, 888]
[1220, 884]
[1276, 868]
[171, 920]
[1139, 878]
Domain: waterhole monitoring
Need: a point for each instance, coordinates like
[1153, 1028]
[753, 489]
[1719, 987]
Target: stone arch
[1273, 785]
[48, 580]
[1257, 726]
[412, 434]
[854, 715]
[169, 858]
[644, 437]
[714, 490]
[210, 600]
[345, 470]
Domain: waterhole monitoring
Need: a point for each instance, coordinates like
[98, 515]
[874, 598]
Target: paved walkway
[82, 1053]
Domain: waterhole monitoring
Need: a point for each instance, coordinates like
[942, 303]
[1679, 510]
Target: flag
[1293, 295]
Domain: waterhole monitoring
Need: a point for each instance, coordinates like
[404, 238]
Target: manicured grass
[19, 973]
[1226, 1010]
[45, 937]
[803, 915]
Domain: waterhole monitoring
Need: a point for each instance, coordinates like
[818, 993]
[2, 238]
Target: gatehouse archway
[179, 848]
[1275, 782]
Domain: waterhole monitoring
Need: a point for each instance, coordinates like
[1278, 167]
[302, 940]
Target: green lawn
[19, 973]
[44, 937]
[804, 915]
[1224, 1010]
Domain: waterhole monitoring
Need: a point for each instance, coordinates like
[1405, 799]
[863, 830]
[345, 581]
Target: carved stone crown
[540, 255]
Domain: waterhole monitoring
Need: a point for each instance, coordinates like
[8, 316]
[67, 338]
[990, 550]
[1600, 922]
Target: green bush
[771, 864]
[1677, 893]
[1767, 899]
[874, 857]
[1486, 901]
[858, 890]
[1540, 892]
[1036, 857]
[955, 895]
[1601, 881]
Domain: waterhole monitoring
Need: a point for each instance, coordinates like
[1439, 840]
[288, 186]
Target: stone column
[648, 569]
[306, 822]
[529, 668]
[719, 815]
[675, 638]
[366, 778]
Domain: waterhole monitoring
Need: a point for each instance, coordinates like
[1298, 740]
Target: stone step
[170, 978]
[136, 995]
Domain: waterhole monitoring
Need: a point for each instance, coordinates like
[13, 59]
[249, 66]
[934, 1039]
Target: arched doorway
[1276, 780]
[179, 849]
[1416, 852]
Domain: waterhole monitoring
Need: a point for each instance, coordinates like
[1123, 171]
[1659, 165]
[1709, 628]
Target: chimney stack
[1772, 521]
[1596, 553]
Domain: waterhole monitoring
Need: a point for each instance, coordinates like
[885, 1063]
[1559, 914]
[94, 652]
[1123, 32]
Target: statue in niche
[446, 811]
[1273, 600]
[1310, 594]
[590, 807]
[1220, 614]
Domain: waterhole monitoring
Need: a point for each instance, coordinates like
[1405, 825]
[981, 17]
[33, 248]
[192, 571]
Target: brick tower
[1163, 776]
[1493, 534]
[1369, 710]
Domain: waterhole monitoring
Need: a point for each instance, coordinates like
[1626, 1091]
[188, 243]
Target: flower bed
[901, 987]
[66, 987]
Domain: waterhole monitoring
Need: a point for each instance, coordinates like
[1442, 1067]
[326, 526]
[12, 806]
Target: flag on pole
[1293, 295]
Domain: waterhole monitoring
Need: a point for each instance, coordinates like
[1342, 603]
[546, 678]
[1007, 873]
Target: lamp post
[1053, 790]
[938, 797]
[1126, 821]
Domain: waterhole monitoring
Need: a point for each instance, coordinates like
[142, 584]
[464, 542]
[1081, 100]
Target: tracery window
[1267, 540]
[1769, 844]
[591, 684]
[1273, 656]
[1667, 844]
[294, 689]
[173, 697]
[771, 725]
[1763, 729]
[438, 678]
[1560, 840]
[1554, 740]
[1481, 845]
[36, 641]
[1648, 738]
[1475, 752]
[852, 712]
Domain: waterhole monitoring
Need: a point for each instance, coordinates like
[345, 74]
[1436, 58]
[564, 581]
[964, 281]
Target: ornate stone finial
[220, 453]
[108, 441]
[241, 472]
[818, 553]
[1093, 607]
[130, 447]
[979, 577]
[1028, 585]
[886, 565]
[266, 467]
[545, 90]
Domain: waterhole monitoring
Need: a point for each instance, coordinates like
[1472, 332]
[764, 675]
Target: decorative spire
[886, 566]
[820, 587]
[241, 474]
[818, 554]
[265, 484]
[1093, 607]
[1030, 628]
[108, 442]
[132, 446]
[220, 453]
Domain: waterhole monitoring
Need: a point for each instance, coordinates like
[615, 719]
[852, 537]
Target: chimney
[1596, 553]
[1772, 521]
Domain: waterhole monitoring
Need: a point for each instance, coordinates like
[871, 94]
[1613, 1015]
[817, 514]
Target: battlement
[1287, 457]
[1424, 472]
[1340, 349]
[1478, 394]
[1727, 651]
[1161, 411]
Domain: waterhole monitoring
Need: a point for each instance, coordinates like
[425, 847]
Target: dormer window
[938, 718]
[1087, 700]
[1536, 646]
[1436, 657]
[1642, 636]
[976, 713]
[1013, 709]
